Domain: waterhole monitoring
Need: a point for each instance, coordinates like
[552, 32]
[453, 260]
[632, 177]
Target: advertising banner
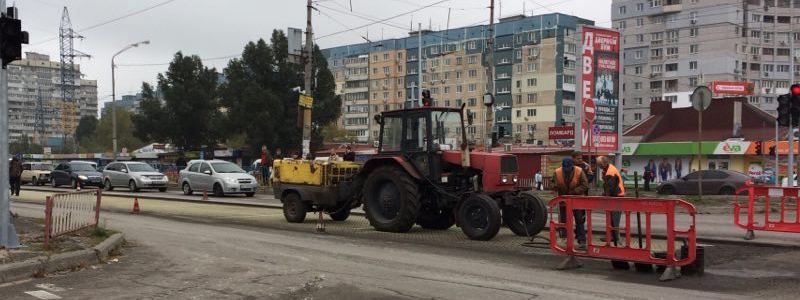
[561, 132]
[732, 88]
[600, 89]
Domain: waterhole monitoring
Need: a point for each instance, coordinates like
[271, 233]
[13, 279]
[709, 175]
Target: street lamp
[114, 96]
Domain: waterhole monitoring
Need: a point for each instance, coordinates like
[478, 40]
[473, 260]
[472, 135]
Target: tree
[86, 127]
[258, 97]
[189, 117]
[102, 139]
[148, 122]
[23, 145]
[331, 133]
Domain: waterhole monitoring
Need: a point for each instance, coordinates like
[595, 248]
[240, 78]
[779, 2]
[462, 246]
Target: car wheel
[294, 210]
[667, 190]
[74, 183]
[727, 190]
[107, 185]
[132, 186]
[218, 190]
[187, 190]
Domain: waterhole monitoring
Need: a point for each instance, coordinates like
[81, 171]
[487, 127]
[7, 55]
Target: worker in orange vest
[613, 186]
[570, 180]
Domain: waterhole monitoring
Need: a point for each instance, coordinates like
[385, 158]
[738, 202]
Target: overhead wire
[382, 20]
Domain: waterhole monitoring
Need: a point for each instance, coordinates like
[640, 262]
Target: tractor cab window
[415, 133]
[446, 130]
[392, 134]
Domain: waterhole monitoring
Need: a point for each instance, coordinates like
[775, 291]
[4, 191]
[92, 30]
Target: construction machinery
[424, 172]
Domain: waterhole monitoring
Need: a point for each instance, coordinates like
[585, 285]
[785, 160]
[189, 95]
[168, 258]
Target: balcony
[657, 43]
[672, 8]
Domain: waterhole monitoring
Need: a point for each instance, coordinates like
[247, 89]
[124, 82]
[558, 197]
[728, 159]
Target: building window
[640, 38]
[472, 87]
[621, 25]
[531, 112]
[693, 32]
[473, 73]
[472, 101]
[692, 65]
[532, 67]
[473, 59]
[638, 100]
[694, 49]
[637, 54]
[623, 10]
[639, 22]
[692, 81]
[654, 3]
[637, 117]
[458, 89]
[637, 70]
[570, 79]
[531, 81]
[637, 85]
[532, 98]
[639, 6]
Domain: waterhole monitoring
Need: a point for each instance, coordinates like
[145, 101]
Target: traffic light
[784, 109]
[758, 148]
[426, 98]
[795, 104]
[772, 150]
[11, 37]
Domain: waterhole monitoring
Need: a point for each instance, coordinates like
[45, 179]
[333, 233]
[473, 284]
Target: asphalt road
[192, 250]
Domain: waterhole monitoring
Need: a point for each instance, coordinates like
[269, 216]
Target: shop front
[675, 159]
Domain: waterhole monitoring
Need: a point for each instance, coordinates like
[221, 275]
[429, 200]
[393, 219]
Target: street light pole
[114, 96]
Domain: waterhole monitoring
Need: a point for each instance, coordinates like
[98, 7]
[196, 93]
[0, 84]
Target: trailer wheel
[391, 200]
[479, 217]
[294, 210]
[527, 217]
[340, 215]
[436, 220]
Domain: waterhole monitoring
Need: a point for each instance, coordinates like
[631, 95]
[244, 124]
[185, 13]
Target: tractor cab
[421, 135]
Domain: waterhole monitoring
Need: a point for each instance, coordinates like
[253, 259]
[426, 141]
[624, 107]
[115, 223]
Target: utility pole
[10, 50]
[309, 63]
[419, 64]
[790, 162]
[490, 80]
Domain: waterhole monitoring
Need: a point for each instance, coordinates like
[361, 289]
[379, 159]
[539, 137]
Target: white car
[36, 173]
[217, 176]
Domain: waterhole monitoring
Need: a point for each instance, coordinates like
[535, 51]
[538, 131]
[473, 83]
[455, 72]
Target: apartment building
[453, 67]
[672, 46]
[34, 95]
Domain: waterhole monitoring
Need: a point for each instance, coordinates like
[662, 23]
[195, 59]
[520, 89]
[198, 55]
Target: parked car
[722, 182]
[217, 176]
[134, 176]
[76, 173]
[36, 173]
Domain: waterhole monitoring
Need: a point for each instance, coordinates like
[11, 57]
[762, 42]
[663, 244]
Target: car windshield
[446, 129]
[226, 167]
[140, 168]
[82, 167]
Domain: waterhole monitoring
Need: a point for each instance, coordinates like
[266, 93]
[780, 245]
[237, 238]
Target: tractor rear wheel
[436, 220]
[527, 217]
[391, 200]
[479, 217]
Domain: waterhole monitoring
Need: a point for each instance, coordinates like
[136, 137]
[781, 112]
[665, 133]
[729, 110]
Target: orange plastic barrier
[625, 250]
[769, 195]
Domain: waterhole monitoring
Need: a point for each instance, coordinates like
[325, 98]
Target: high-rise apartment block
[535, 75]
[672, 46]
[36, 106]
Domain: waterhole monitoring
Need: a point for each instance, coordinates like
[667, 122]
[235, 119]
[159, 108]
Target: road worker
[613, 186]
[571, 180]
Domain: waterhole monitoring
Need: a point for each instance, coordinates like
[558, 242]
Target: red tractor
[425, 173]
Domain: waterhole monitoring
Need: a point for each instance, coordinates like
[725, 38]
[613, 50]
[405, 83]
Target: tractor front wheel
[391, 200]
[479, 217]
[527, 216]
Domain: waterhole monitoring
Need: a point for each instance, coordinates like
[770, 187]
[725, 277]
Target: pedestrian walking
[180, 163]
[649, 172]
[569, 180]
[14, 174]
[665, 170]
[538, 179]
[613, 186]
[266, 163]
[349, 155]
[678, 168]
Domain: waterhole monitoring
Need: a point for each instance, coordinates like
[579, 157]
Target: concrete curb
[61, 261]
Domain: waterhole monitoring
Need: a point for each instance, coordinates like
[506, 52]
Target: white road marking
[50, 287]
[44, 295]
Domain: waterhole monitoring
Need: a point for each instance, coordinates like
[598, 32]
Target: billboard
[732, 88]
[561, 132]
[600, 89]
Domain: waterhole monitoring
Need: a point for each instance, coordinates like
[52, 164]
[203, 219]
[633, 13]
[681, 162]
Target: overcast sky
[215, 29]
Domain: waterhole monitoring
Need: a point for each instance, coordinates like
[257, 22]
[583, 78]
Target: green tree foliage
[86, 127]
[259, 100]
[24, 145]
[101, 140]
[189, 116]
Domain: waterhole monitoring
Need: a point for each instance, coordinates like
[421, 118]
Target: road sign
[701, 98]
[589, 110]
[305, 101]
[595, 129]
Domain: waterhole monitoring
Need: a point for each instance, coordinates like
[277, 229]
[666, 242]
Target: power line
[382, 20]
[109, 21]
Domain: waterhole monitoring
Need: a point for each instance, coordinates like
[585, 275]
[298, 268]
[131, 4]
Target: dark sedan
[722, 182]
[76, 173]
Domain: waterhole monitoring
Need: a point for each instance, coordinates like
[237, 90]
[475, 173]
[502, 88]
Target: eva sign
[732, 148]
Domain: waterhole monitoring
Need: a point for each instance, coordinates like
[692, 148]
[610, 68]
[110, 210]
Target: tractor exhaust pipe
[465, 159]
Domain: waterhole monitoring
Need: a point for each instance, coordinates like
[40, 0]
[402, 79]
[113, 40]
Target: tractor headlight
[504, 179]
[515, 179]
[83, 177]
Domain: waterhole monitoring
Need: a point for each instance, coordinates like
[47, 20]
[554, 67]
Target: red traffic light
[795, 90]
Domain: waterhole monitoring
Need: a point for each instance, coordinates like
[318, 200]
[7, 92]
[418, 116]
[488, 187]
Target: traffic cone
[135, 205]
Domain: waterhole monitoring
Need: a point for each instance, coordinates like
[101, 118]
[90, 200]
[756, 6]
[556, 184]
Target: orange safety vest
[576, 178]
[612, 171]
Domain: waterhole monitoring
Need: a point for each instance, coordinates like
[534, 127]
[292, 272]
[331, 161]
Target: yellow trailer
[305, 186]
